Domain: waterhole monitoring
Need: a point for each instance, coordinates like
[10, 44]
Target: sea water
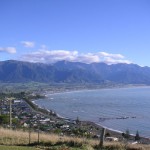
[118, 109]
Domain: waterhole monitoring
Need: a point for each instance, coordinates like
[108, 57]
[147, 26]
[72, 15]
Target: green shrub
[4, 119]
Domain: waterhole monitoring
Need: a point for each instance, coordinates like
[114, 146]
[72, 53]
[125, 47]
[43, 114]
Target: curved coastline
[113, 132]
[94, 89]
[109, 129]
[39, 108]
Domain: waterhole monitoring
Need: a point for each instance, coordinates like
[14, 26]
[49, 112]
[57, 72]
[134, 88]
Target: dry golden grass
[18, 137]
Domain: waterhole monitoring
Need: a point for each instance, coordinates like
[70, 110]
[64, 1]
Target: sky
[47, 31]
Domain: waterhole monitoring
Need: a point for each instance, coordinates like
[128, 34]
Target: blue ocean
[118, 109]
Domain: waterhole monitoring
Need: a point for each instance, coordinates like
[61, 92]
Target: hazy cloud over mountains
[52, 56]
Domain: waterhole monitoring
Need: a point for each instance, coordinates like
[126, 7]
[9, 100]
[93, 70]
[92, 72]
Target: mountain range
[73, 72]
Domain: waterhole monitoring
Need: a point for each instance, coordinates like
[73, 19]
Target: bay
[118, 109]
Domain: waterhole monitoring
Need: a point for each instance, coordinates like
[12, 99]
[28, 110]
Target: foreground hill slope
[73, 72]
[10, 139]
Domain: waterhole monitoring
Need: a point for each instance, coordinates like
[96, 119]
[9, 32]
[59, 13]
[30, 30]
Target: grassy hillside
[13, 138]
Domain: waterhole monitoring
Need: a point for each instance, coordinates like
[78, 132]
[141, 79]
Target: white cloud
[109, 60]
[115, 56]
[10, 50]
[46, 56]
[28, 44]
[87, 58]
[52, 56]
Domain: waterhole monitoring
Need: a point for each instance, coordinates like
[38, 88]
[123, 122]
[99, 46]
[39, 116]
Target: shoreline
[114, 131]
[93, 89]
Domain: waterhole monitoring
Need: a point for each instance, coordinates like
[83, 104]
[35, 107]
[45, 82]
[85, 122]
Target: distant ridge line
[73, 72]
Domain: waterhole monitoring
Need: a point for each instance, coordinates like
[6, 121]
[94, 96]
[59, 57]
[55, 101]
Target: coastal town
[24, 114]
[27, 115]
